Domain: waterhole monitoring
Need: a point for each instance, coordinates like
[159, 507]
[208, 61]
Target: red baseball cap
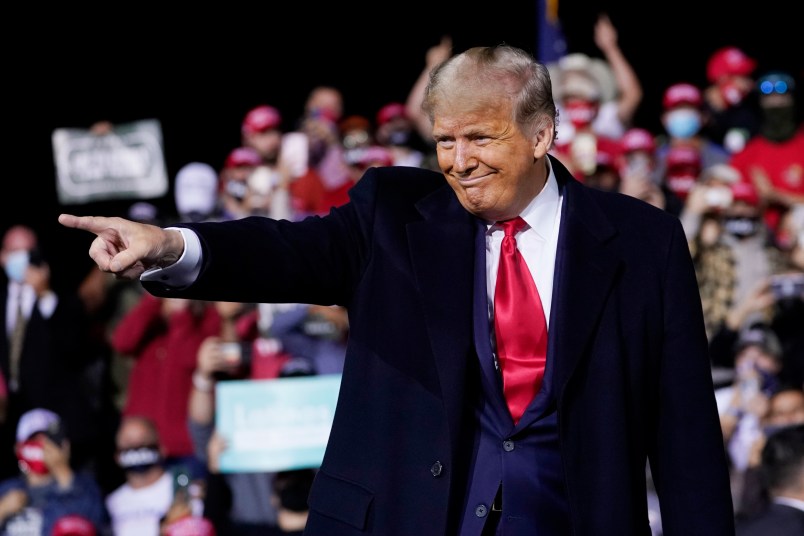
[745, 192]
[637, 139]
[682, 93]
[260, 119]
[242, 156]
[390, 111]
[73, 525]
[729, 61]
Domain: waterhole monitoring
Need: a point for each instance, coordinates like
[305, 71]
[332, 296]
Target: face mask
[741, 226]
[683, 123]
[140, 459]
[398, 137]
[778, 123]
[31, 458]
[17, 265]
[237, 189]
[581, 114]
[769, 382]
[732, 93]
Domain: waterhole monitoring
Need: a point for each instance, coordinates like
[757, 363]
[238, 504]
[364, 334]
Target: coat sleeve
[688, 458]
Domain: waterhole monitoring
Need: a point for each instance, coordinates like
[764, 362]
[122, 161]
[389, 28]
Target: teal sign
[276, 424]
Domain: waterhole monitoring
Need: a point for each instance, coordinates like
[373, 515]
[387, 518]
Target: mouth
[468, 182]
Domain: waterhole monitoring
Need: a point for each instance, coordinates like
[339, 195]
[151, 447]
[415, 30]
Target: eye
[446, 143]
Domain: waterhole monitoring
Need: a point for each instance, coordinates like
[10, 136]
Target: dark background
[198, 72]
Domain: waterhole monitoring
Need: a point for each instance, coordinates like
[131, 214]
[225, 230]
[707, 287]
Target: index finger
[93, 224]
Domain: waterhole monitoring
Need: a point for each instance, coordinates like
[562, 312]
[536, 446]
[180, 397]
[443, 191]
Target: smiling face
[494, 167]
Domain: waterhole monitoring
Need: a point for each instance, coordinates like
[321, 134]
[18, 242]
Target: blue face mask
[17, 265]
[683, 123]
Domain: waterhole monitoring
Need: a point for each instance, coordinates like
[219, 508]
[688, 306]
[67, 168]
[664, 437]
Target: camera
[786, 286]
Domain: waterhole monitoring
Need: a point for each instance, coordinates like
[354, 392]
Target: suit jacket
[54, 356]
[631, 372]
[776, 520]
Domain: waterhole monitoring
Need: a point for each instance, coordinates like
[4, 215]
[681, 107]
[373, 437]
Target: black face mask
[778, 123]
[741, 226]
[139, 459]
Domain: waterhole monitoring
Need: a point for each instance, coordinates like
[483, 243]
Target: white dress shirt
[537, 243]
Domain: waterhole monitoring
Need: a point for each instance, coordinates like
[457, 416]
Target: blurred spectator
[731, 246]
[137, 506]
[48, 488]
[268, 184]
[237, 199]
[580, 94]
[44, 350]
[195, 193]
[396, 132]
[730, 103]
[617, 91]
[290, 493]
[236, 503]
[318, 126]
[684, 147]
[743, 404]
[313, 153]
[162, 336]
[357, 133]
[782, 468]
[637, 169]
[773, 159]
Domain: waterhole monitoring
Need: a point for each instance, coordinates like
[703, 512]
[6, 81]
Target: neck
[146, 478]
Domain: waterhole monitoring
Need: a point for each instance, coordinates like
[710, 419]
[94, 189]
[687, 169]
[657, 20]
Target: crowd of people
[107, 398]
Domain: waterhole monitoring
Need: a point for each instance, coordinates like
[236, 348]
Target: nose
[464, 160]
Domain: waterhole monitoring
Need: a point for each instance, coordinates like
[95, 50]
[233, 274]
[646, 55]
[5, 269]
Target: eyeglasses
[780, 86]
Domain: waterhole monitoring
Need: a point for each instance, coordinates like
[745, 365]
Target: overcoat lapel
[442, 253]
[587, 265]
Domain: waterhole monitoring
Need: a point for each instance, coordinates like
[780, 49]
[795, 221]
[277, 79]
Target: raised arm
[413, 105]
[629, 87]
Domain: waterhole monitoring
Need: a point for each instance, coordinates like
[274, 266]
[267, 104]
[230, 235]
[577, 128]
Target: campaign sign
[276, 424]
[125, 163]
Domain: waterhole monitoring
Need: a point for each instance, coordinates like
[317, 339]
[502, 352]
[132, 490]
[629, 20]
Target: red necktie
[519, 324]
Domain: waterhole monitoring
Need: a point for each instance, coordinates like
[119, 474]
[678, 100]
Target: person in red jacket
[162, 336]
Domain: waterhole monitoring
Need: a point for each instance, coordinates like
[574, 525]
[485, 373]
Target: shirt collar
[540, 214]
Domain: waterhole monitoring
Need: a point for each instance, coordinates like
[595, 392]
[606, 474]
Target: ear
[543, 140]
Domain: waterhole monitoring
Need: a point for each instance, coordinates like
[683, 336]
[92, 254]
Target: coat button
[481, 510]
[508, 445]
[436, 469]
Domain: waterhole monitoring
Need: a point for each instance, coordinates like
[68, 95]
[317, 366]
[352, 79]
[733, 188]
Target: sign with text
[125, 163]
[277, 424]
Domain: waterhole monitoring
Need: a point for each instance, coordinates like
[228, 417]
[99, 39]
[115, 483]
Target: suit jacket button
[436, 469]
[481, 510]
[508, 445]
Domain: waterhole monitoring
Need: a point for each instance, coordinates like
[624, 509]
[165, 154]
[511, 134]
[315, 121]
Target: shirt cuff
[184, 271]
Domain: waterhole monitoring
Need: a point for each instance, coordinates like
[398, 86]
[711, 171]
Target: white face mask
[17, 265]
